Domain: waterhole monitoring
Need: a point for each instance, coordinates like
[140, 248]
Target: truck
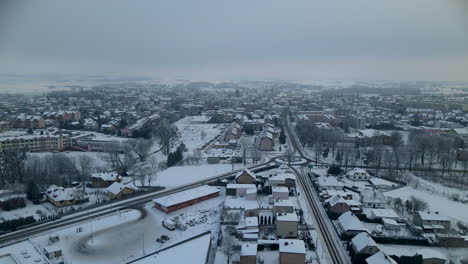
[169, 224]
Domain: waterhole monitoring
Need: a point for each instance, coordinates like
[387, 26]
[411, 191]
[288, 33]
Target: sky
[244, 39]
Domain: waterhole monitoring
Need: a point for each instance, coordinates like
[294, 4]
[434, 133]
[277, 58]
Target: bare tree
[140, 147]
[85, 166]
[245, 146]
[256, 155]
[203, 135]
[122, 162]
[166, 134]
[228, 246]
[197, 155]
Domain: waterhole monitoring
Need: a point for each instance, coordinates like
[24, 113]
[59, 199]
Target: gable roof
[349, 222]
[380, 258]
[362, 240]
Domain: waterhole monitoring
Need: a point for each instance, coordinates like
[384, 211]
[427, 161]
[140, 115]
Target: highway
[324, 227]
[16, 236]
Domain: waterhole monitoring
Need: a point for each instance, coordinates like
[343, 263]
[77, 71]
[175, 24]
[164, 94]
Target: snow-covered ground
[452, 254]
[192, 251]
[192, 134]
[180, 175]
[36, 210]
[131, 233]
[456, 211]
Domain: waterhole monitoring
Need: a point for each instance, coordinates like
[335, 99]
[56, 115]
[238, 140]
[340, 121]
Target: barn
[176, 201]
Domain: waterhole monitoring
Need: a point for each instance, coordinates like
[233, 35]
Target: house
[118, 190]
[265, 141]
[358, 174]
[350, 224]
[372, 199]
[292, 251]
[248, 254]
[60, 196]
[239, 189]
[384, 213]
[390, 224]
[52, 251]
[251, 194]
[10, 200]
[432, 221]
[329, 183]
[326, 194]
[337, 205]
[380, 258]
[185, 198]
[246, 177]
[279, 192]
[362, 243]
[104, 179]
[283, 206]
[283, 179]
[286, 225]
[251, 222]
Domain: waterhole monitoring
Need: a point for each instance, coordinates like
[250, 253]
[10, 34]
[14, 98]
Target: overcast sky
[243, 39]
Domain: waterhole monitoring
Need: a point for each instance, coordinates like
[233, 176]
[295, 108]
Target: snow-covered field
[456, 211]
[180, 175]
[452, 254]
[191, 134]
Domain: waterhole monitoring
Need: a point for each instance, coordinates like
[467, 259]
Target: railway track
[335, 250]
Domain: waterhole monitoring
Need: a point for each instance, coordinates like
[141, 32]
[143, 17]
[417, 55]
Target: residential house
[246, 177]
[248, 254]
[104, 179]
[286, 225]
[60, 196]
[362, 243]
[380, 258]
[280, 192]
[432, 221]
[117, 190]
[358, 174]
[350, 225]
[373, 199]
[292, 251]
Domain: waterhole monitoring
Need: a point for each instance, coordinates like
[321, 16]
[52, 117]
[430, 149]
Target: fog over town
[245, 132]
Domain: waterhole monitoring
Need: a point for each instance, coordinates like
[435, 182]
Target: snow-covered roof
[248, 249]
[330, 181]
[105, 176]
[334, 200]
[240, 186]
[116, 187]
[292, 246]
[426, 216]
[372, 196]
[380, 258]
[57, 193]
[357, 170]
[287, 217]
[186, 195]
[284, 203]
[385, 213]
[362, 240]
[279, 189]
[350, 222]
[251, 221]
[239, 203]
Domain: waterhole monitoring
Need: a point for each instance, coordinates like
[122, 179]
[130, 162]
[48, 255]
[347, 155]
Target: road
[328, 236]
[99, 211]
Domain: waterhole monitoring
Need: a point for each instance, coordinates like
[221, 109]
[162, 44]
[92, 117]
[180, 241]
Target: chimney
[436, 212]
